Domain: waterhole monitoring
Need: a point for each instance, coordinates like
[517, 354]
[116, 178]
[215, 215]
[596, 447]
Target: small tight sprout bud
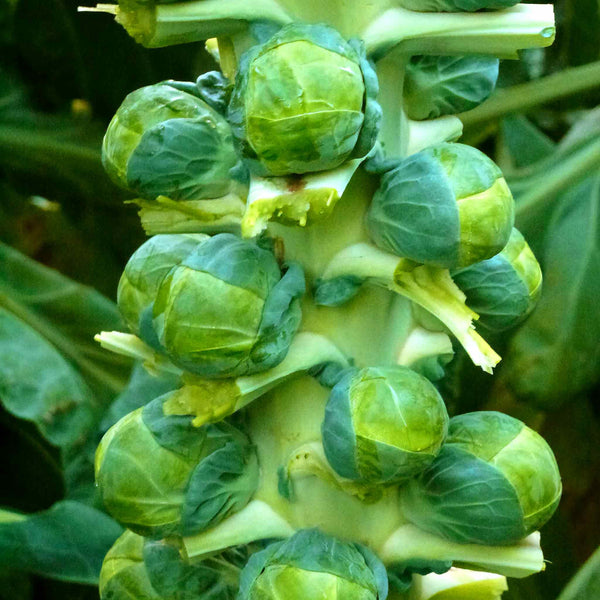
[312, 564]
[383, 425]
[504, 289]
[144, 272]
[165, 140]
[494, 482]
[144, 569]
[311, 88]
[448, 206]
[160, 476]
[227, 309]
[447, 85]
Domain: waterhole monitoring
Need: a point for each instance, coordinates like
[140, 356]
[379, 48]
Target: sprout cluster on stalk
[318, 236]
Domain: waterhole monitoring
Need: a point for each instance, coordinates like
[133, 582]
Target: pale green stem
[499, 33]
[409, 542]
[429, 287]
[520, 98]
[256, 521]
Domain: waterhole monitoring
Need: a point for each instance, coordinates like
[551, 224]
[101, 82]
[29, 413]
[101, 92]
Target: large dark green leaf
[67, 542]
[586, 583]
[556, 354]
[67, 315]
[39, 385]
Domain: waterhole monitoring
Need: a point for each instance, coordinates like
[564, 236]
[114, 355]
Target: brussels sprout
[447, 85]
[160, 476]
[123, 573]
[149, 570]
[311, 88]
[312, 564]
[383, 425]
[457, 5]
[226, 309]
[447, 206]
[494, 482]
[504, 289]
[144, 272]
[165, 141]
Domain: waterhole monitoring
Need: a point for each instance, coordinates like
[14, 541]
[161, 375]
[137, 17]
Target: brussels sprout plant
[320, 240]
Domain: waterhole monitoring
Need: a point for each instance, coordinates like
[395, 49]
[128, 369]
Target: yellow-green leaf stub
[383, 425]
[311, 88]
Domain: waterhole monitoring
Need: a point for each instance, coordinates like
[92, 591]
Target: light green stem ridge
[429, 287]
[409, 542]
[499, 33]
[256, 521]
[528, 95]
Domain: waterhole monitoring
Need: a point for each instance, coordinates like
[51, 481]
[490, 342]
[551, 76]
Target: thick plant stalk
[317, 220]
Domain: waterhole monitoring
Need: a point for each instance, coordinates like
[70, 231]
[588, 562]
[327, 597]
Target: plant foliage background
[65, 235]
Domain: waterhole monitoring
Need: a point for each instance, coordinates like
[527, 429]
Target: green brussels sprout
[311, 88]
[447, 206]
[145, 569]
[226, 310]
[312, 564]
[457, 5]
[123, 574]
[383, 425]
[494, 482]
[144, 272]
[504, 289]
[447, 85]
[166, 141]
[160, 476]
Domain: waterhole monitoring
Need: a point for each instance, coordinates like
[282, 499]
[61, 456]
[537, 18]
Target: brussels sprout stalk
[343, 438]
[429, 287]
[422, 134]
[422, 347]
[308, 460]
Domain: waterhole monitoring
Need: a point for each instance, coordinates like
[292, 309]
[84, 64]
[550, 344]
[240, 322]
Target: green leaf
[556, 354]
[447, 85]
[586, 583]
[67, 542]
[67, 315]
[524, 142]
[39, 385]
